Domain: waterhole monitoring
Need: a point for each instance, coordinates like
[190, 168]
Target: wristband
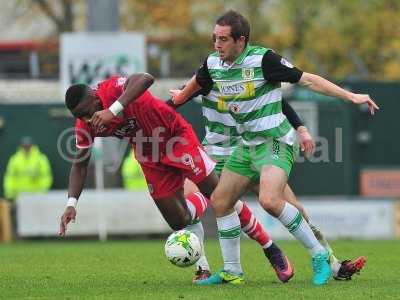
[72, 201]
[301, 129]
[116, 108]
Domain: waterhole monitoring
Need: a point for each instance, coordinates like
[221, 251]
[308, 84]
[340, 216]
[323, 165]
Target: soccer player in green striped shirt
[219, 147]
[246, 81]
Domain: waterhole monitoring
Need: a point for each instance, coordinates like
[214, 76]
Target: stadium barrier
[119, 212]
[110, 212]
[5, 222]
[341, 217]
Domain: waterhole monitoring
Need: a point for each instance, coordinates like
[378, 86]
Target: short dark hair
[75, 94]
[239, 24]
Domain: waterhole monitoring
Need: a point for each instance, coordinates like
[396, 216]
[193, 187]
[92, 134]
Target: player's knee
[218, 205]
[270, 203]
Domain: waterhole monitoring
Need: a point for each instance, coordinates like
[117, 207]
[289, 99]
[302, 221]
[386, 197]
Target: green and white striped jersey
[242, 104]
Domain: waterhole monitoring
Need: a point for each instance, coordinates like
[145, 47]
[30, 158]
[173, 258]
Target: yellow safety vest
[132, 175]
[27, 172]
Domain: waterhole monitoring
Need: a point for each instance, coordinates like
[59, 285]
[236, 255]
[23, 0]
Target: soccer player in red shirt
[164, 143]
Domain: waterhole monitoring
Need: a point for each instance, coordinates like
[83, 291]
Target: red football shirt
[145, 118]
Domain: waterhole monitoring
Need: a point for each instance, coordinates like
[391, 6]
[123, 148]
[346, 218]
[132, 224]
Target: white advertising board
[89, 57]
[98, 213]
[358, 219]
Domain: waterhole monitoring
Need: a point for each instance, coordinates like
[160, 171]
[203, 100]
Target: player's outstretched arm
[323, 86]
[181, 96]
[77, 177]
[135, 86]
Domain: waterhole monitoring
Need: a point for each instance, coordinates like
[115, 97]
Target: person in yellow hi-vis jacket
[132, 175]
[28, 170]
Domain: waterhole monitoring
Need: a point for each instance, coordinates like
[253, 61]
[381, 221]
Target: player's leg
[248, 222]
[202, 265]
[272, 183]
[276, 257]
[290, 197]
[275, 160]
[342, 270]
[184, 213]
[175, 210]
[234, 181]
[230, 187]
[190, 160]
[180, 211]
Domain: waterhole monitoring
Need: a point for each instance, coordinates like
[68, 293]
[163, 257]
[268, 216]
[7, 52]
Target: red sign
[380, 183]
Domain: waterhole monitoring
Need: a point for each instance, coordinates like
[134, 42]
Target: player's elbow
[307, 79]
[147, 78]
[144, 79]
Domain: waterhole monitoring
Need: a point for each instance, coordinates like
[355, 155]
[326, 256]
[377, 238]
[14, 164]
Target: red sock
[197, 204]
[252, 227]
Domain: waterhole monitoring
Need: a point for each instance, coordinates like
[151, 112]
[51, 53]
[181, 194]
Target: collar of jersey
[239, 59]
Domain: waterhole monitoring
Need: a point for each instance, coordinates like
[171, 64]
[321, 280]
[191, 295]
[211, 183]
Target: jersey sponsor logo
[286, 63]
[127, 129]
[248, 73]
[100, 129]
[231, 89]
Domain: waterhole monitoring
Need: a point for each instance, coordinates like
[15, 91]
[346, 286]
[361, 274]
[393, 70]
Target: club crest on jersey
[235, 108]
[248, 73]
[187, 160]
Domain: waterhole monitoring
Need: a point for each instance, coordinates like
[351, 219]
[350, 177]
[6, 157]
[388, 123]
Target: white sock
[197, 228]
[335, 265]
[268, 244]
[192, 209]
[238, 206]
[292, 219]
[229, 240]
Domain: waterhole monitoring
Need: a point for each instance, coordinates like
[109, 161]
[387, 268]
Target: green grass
[139, 270]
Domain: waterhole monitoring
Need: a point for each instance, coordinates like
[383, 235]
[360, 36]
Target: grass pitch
[139, 270]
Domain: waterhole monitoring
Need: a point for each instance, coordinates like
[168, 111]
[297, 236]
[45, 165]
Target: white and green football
[183, 248]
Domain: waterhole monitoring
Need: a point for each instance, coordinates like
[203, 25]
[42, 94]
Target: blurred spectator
[28, 170]
[132, 175]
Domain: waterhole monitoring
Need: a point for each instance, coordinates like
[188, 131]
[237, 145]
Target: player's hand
[68, 216]
[102, 117]
[363, 98]
[177, 96]
[306, 141]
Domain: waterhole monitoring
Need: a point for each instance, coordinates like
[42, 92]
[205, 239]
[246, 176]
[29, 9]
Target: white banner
[89, 57]
[98, 213]
[358, 219]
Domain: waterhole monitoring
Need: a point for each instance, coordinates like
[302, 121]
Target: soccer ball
[183, 248]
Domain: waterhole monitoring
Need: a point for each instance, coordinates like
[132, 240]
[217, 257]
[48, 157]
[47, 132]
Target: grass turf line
[139, 270]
